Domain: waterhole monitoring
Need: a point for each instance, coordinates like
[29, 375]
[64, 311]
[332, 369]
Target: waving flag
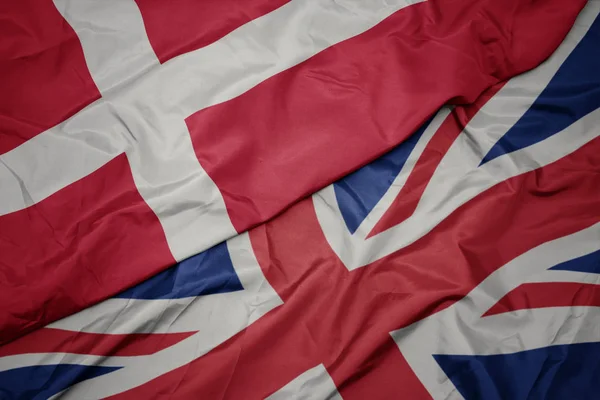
[463, 263]
[136, 134]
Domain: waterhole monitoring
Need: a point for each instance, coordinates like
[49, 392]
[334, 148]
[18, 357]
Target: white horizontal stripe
[60, 156]
[459, 178]
[316, 383]
[461, 329]
[266, 46]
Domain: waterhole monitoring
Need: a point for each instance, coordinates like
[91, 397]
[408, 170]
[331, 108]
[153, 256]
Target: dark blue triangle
[573, 92]
[206, 273]
[551, 373]
[589, 263]
[43, 381]
[358, 193]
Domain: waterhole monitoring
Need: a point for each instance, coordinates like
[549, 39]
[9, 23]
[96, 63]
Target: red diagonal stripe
[48, 340]
[407, 200]
[548, 294]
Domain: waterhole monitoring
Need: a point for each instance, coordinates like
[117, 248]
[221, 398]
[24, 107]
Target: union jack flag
[463, 263]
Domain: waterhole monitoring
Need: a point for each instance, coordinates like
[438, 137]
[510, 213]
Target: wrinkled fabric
[462, 263]
[213, 141]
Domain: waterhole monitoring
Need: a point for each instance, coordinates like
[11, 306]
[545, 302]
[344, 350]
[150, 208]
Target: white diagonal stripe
[315, 383]
[234, 309]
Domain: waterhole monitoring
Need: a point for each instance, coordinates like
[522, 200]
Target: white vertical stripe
[171, 180]
[113, 37]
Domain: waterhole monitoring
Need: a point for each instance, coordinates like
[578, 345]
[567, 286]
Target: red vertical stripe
[177, 26]
[81, 245]
[43, 75]
[309, 125]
